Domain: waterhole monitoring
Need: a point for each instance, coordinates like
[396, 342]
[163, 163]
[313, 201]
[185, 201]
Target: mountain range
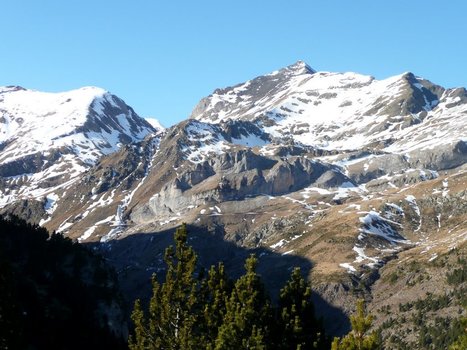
[355, 179]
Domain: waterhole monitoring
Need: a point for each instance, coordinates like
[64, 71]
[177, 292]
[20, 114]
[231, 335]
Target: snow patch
[87, 234]
[348, 267]
[51, 203]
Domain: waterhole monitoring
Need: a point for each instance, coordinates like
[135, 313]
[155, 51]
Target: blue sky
[162, 57]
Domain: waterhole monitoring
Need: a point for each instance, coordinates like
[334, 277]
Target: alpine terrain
[360, 182]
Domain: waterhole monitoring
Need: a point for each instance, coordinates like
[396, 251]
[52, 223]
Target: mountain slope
[47, 140]
[89, 121]
[344, 111]
[344, 171]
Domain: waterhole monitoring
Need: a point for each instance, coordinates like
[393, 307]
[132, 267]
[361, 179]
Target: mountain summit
[340, 110]
[300, 67]
[48, 139]
[89, 122]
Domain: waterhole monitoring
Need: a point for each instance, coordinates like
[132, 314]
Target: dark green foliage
[359, 337]
[460, 341]
[393, 277]
[420, 317]
[443, 332]
[458, 276]
[298, 328]
[217, 288]
[248, 313]
[172, 321]
[195, 310]
[430, 303]
[52, 291]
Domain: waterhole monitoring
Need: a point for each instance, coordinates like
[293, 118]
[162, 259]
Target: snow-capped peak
[340, 110]
[88, 121]
[156, 124]
[301, 67]
[49, 139]
[10, 88]
[49, 115]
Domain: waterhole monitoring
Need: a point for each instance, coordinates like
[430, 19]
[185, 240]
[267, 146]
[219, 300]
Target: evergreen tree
[142, 338]
[298, 327]
[49, 298]
[248, 313]
[172, 318]
[358, 338]
[207, 311]
[461, 341]
[217, 288]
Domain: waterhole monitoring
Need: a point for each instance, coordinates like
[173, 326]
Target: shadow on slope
[137, 257]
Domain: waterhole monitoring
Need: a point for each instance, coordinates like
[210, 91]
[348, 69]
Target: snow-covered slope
[344, 111]
[155, 123]
[88, 121]
[343, 134]
[340, 171]
[48, 139]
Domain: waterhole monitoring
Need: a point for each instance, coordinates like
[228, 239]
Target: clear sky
[162, 57]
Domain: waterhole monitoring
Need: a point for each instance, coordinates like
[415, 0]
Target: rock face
[339, 173]
[47, 140]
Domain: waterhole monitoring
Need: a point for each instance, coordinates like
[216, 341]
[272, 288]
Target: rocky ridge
[48, 140]
[339, 172]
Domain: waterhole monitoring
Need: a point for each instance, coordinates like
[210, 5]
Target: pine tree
[172, 316]
[248, 313]
[141, 339]
[461, 341]
[358, 338]
[46, 300]
[298, 327]
[217, 288]
[207, 311]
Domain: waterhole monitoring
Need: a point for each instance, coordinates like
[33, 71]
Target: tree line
[192, 309]
[54, 293]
